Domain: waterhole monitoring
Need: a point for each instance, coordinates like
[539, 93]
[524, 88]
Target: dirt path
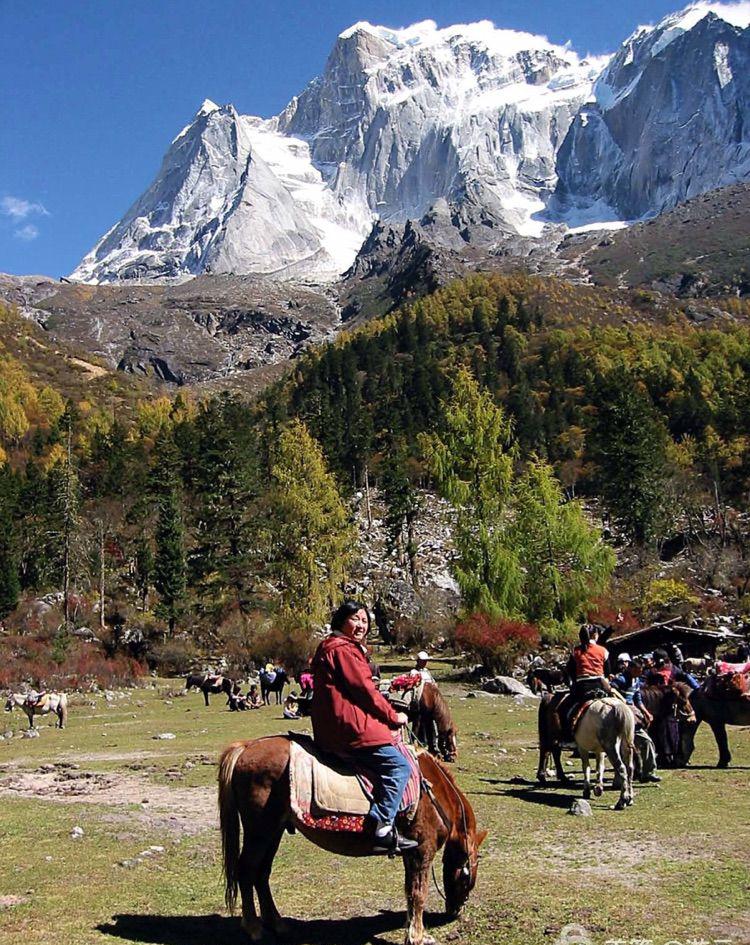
[184, 810]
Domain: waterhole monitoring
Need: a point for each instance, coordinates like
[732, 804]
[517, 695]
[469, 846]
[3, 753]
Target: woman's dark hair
[586, 633]
[348, 609]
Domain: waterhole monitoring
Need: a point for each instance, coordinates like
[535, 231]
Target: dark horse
[214, 684]
[433, 725]
[254, 792]
[277, 686]
[541, 679]
[718, 711]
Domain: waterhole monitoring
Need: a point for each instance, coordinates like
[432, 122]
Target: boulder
[580, 808]
[506, 686]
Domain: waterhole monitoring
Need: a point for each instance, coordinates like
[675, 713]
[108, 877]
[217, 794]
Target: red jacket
[347, 710]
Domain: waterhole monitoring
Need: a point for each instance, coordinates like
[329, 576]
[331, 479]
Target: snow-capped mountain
[505, 129]
[670, 119]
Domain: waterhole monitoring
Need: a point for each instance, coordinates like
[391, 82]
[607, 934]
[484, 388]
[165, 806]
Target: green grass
[671, 868]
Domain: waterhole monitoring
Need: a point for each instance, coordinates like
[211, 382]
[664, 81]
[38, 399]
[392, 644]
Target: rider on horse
[352, 719]
[587, 668]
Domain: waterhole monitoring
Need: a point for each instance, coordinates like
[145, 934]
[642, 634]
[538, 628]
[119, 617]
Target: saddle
[728, 686]
[328, 793]
[405, 693]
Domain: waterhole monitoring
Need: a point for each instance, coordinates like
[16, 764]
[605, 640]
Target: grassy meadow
[674, 868]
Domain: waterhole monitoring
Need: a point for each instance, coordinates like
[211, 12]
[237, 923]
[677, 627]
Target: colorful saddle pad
[328, 794]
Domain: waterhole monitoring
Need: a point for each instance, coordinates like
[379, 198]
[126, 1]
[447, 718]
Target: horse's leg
[417, 874]
[599, 785]
[720, 734]
[621, 771]
[205, 696]
[541, 771]
[557, 758]
[586, 773]
[268, 912]
[252, 850]
[30, 716]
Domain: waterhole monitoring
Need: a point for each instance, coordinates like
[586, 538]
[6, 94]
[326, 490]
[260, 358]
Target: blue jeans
[392, 773]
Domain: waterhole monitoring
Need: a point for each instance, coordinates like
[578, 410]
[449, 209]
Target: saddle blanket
[405, 692]
[577, 714]
[723, 667]
[327, 793]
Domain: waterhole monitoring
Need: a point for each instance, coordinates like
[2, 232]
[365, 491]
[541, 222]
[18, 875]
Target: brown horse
[718, 711]
[254, 792]
[433, 725]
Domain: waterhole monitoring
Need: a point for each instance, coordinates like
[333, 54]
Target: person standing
[420, 668]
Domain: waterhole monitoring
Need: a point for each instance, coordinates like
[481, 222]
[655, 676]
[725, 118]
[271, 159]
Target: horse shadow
[533, 792]
[219, 930]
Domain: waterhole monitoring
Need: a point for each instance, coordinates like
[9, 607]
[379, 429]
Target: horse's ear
[481, 837]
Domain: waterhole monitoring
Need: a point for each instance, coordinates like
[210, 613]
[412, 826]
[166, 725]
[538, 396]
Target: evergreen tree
[226, 487]
[143, 568]
[629, 447]
[169, 535]
[310, 534]
[169, 561]
[471, 461]
[403, 506]
[565, 562]
[10, 585]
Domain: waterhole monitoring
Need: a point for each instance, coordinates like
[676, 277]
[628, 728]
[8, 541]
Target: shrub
[30, 661]
[282, 643]
[497, 643]
[174, 657]
[664, 593]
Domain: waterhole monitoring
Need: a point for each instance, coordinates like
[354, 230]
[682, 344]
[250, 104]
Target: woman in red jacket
[351, 718]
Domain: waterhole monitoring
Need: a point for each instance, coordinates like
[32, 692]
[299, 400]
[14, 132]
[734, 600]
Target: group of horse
[213, 684]
[255, 791]
[254, 794]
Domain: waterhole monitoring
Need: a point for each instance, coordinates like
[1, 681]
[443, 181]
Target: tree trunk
[67, 528]
[101, 575]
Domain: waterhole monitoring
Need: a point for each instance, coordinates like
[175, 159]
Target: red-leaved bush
[496, 642]
[81, 666]
[608, 615]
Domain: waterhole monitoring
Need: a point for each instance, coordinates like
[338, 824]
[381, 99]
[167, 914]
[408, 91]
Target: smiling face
[356, 626]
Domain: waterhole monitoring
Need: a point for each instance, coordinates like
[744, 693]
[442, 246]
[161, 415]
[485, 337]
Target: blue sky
[94, 90]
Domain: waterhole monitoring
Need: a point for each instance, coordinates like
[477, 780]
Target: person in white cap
[421, 667]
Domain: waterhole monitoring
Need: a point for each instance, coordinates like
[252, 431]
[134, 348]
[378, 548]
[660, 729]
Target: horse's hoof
[282, 928]
[598, 790]
[253, 928]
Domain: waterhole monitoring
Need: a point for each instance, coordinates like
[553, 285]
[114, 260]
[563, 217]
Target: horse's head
[460, 866]
[682, 707]
[448, 745]
[10, 703]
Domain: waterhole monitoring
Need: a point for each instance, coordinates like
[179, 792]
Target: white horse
[56, 702]
[607, 727]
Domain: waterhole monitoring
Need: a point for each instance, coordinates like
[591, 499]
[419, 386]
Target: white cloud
[27, 233]
[20, 209]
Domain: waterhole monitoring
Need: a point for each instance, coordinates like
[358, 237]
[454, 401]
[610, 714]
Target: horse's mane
[440, 711]
[467, 813]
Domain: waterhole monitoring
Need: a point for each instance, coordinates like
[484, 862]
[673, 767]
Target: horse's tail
[229, 817]
[62, 710]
